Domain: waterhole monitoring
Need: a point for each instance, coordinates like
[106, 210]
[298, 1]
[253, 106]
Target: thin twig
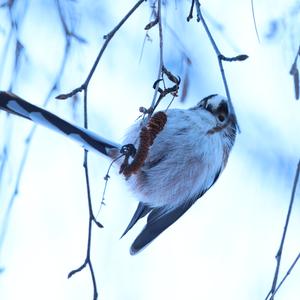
[84, 88]
[164, 92]
[91, 214]
[5, 222]
[287, 273]
[107, 38]
[14, 33]
[190, 16]
[161, 59]
[147, 37]
[279, 252]
[6, 137]
[106, 178]
[295, 73]
[220, 56]
[92, 218]
[13, 36]
[217, 51]
[151, 24]
[254, 20]
[28, 139]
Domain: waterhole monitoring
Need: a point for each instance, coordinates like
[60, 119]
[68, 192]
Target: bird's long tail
[86, 138]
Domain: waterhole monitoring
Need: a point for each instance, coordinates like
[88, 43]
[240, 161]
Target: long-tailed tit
[184, 161]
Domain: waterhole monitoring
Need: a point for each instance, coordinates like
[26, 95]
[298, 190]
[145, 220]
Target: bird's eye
[221, 118]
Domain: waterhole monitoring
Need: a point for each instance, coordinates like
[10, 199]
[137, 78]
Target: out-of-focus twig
[271, 293]
[254, 20]
[6, 139]
[295, 73]
[7, 214]
[186, 63]
[107, 38]
[147, 28]
[13, 36]
[55, 86]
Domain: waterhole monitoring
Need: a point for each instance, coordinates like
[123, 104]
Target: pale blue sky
[222, 248]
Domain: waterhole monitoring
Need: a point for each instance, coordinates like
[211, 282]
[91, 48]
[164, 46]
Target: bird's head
[216, 105]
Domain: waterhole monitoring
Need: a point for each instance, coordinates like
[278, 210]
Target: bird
[187, 153]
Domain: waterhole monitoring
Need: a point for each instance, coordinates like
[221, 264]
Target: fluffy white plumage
[184, 158]
[184, 161]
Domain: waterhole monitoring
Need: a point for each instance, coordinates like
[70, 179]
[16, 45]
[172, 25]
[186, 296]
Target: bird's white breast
[182, 162]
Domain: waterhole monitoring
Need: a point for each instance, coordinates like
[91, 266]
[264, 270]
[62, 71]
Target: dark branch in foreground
[92, 220]
[84, 88]
[279, 252]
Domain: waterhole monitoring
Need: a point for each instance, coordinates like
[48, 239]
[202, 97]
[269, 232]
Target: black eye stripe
[222, 108]
[209, 108]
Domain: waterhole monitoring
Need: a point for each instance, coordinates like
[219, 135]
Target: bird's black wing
[141, 211]
[159, 220]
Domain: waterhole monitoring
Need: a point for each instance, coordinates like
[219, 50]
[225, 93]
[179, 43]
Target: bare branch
[279, 252]
[106, 178]
[71, 94]
[241, 57]
[190, 16]
[287, 273]
[91, 219]
[295, 73]
[254, 20]
[79, 269]
[84, 88]
[161, 59]
[30, 136]
[91, 214]
[220, 56]
[107, 38]
[5, 223]
[13, 36]
[151, 24]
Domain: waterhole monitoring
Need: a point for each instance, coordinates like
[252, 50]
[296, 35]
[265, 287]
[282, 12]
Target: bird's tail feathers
[86, 138]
